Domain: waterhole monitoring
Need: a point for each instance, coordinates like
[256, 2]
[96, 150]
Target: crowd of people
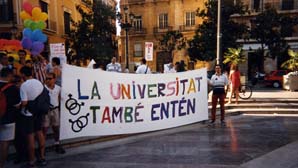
[21, 83]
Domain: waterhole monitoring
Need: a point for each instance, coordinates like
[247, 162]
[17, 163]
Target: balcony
[157, 30]
[184, 28]
[138, 31]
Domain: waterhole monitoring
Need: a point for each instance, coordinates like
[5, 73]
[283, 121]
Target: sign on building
[149, 51]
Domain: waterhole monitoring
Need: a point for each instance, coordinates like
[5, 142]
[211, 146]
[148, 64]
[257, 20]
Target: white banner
[58, 50]
[96, 102]
[149, 51]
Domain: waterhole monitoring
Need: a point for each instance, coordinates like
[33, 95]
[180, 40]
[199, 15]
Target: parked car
[275, 78]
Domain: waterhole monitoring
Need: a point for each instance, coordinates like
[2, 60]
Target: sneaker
[59, 149]
[211, 123]
[42, 162]
[29, 165]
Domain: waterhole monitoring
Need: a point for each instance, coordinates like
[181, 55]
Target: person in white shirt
[53, 117]
[218, 82]
[143, 68]
[32, 124]
[114, 66]
[169, 68]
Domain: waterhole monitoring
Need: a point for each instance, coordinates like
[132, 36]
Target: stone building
[152, 18]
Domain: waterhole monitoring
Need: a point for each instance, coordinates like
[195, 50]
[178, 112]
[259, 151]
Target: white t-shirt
[169, 69]
[54, 95]
[143, 69]
[113, 67]
[29, 90]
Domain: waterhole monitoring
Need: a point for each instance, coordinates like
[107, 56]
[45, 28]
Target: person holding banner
[218, 82]
[114, 66]
[143, 68]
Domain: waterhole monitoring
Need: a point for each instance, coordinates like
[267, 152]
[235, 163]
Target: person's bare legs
[41, 143]
[231, 95]
[3, 152]
[31, 148]
[237, 95]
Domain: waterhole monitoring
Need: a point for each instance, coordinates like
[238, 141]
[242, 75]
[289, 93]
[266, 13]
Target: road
[259, 140]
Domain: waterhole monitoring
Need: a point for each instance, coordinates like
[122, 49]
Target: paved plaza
[246, 141]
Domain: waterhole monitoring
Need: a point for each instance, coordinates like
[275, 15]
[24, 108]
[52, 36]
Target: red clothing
[235, 79]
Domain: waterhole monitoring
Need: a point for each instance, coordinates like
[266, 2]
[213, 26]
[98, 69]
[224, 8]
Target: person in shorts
[52, 119]
[7, 120]
[32, 123]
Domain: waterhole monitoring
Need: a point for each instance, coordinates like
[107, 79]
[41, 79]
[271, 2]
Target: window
[287, 4]
[137, 24]
[190, 18]
[6, 11]
[44, 8]
[138, 52]
[163, 21]
[256, 5]
[66, 23]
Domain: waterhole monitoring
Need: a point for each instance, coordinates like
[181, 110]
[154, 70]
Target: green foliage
[92, 36]
[270, 29]
[292, 63]
[172, 40]
[234, 56]
[203, 44]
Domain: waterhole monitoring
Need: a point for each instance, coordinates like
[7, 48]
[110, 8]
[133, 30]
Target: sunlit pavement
[246, 141]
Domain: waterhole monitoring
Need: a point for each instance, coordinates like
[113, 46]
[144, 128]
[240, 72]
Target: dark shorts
[30, 124]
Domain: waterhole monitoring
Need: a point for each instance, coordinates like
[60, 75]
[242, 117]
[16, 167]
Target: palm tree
[292, 63]
[234, 56]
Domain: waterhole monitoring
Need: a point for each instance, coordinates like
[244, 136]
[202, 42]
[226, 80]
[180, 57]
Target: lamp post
[126, 26]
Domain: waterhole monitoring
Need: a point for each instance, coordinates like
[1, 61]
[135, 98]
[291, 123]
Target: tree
[203, 45]
[270, 29]
[92, 36]
[234, 56]
[292, 63]
[172, 40]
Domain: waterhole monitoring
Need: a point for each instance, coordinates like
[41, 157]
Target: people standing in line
[52, 119]
[32, 124]
[143, 68]
[218, 82]
[7, 120]
[234, 78]
[56, 69]
[113, 66]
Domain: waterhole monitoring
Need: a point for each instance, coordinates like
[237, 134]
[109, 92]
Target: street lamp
[126, 26]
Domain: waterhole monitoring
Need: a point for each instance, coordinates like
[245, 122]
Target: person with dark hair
[143, 68]
[22, 59]
[234, 77]
[52, 119]
[218, 82]
[114, 66]
[7, 120]
[3, 60]
[32, 124]
[56, 69]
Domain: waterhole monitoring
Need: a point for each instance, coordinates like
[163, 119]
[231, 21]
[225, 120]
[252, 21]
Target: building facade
[58, 25]
[152, 19]
[288, 7]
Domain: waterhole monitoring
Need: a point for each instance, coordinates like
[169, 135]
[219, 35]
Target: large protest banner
[96, 102]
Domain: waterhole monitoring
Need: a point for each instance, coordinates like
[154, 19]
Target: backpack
[3, 101]
[41, 104]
